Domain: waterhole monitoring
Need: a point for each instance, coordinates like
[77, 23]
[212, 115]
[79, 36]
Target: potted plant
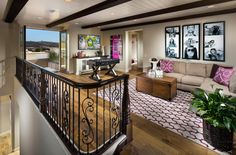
[219, 117]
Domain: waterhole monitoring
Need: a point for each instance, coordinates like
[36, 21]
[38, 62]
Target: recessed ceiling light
[52, 11]
[211, 6]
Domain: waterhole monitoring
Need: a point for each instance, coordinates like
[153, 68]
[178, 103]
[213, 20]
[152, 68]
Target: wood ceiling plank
[183, 7]
[93, 9]
[228, 11]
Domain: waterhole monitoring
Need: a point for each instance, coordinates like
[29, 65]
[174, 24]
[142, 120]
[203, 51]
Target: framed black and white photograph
[214, 41]
[191, 41]
[172, 42]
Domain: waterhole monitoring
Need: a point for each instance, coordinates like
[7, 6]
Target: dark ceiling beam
[13, 9]
[95, 8]
[183, 7]
[175, 19]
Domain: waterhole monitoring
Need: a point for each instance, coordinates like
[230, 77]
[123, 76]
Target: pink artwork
[116, 47]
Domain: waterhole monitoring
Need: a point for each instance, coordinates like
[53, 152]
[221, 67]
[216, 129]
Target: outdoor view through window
[42, 48]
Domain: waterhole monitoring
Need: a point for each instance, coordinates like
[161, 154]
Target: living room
[164, 111]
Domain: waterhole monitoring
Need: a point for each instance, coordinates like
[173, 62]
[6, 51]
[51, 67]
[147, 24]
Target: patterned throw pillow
[223, 75]
[167, 66]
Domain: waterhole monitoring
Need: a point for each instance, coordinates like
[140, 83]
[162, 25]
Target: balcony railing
[88, 117]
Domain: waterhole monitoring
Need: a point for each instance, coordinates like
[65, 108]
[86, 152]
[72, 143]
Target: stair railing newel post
[126, 121]
[42, 105]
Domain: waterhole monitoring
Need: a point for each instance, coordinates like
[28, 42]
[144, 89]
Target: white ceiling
[42, 12]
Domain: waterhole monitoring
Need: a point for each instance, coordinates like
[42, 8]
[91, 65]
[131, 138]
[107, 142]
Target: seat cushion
[210, 86]
[192, 80]
[196, 69]
[178, 76]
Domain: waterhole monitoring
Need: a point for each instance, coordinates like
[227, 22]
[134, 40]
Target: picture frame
[116, 46]
[89, 42]
[172, 42]
[214, 41]
[191, 41]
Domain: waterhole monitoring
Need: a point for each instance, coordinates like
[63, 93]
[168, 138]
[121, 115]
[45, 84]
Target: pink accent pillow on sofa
[167, 66]
[223, 75]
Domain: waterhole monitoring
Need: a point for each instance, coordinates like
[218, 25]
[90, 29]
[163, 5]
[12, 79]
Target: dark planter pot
[220, 138]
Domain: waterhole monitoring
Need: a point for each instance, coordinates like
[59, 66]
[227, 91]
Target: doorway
[135, 50]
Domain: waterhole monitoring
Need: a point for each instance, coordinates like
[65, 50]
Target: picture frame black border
[199, 42]
[179, 40]
[89, 35]
[204, 41]
[121, 36]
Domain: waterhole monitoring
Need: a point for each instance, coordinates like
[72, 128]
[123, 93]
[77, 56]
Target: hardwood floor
[152, 139]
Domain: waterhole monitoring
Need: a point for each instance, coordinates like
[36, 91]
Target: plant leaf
[227, 122]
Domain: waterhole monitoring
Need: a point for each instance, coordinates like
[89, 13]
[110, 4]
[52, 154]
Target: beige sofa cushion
[192, 80]
[196, 69]
[175, 75]
[232, 84]
[210, 86]
[179, 67]
[208, 70]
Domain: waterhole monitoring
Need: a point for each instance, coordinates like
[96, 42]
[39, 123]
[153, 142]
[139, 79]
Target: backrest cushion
[215, 68]
[196, 69]
[167, 66]
[208, 69]
[223, 75]
[179, 67]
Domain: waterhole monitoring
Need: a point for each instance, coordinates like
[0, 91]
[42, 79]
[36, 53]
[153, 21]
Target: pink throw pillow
[223, 75]
[167, 66]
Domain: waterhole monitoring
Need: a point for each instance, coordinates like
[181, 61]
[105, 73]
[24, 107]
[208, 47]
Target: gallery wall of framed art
[172, 42]
[214, 41]
[191, 41]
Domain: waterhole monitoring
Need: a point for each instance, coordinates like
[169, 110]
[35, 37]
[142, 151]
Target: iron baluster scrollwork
[87, 133]
[39, 85]
[54, 100]
[65, 120]
[115, 108]
[34, 81]
[46, 94]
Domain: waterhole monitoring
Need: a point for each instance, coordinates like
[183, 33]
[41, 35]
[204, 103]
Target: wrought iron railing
[88, 117]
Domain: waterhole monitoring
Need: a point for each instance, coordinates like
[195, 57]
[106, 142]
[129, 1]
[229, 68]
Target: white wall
[5, 109]
[73, 32]
[36, 135]
[154, 38]
[9, 48]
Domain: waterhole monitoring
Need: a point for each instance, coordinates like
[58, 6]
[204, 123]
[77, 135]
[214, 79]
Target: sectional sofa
[191, 75]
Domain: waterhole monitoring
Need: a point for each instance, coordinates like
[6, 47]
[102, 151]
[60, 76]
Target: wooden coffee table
[165, 88]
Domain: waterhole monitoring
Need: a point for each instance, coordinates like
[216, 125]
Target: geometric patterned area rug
[173, 115]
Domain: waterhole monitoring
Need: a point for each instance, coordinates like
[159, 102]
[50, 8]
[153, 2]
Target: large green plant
[217, 109]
